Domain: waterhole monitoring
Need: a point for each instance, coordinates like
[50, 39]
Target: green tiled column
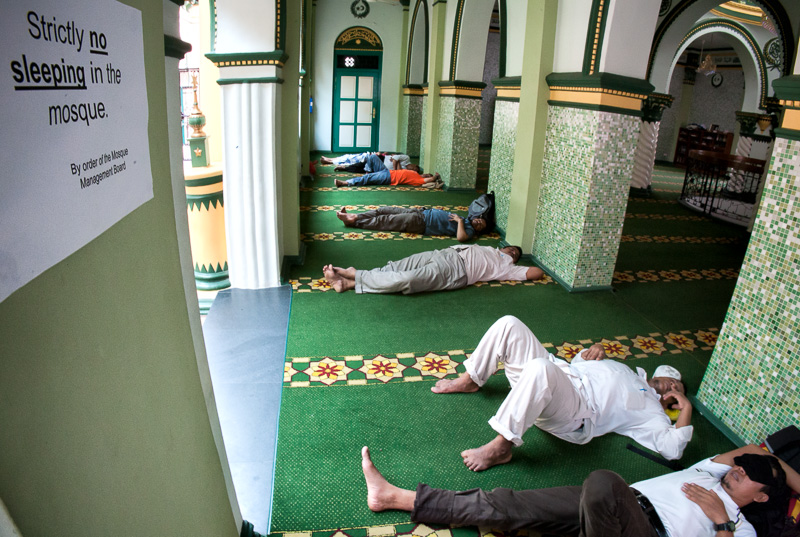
[501, 167]
[587, 171]
[459, 133]
[411, 121]
[422, 129]
[753, 381]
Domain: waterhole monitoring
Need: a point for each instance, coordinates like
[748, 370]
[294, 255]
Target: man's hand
[676, 399]
[595, 352]
[455, 217]
[708, 501]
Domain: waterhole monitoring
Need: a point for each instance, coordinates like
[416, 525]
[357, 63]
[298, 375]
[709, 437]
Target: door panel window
[365, 111]
[347, 112]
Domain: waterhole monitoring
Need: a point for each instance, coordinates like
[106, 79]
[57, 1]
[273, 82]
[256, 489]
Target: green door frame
[338, 72]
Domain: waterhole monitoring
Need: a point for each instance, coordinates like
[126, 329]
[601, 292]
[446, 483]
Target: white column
[251, 144]
[645, 155]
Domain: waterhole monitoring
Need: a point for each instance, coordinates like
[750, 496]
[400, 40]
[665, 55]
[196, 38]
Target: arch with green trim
[686, 14]
[755, 71]
[418, 41]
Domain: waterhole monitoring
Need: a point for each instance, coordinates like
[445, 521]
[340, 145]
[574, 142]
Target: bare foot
[348, 273]
[339, 283]
[382, 495]
[498, 451]
[462, 384]
[348, 219]
[326, 161]
[338, 183]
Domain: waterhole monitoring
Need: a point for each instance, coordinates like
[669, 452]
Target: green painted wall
[104, 422]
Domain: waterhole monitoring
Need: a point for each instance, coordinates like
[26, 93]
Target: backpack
[483, 207]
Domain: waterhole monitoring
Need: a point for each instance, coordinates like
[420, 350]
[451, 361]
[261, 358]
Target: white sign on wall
[74, 153]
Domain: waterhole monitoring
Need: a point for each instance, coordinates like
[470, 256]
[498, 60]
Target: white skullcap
[667, 371]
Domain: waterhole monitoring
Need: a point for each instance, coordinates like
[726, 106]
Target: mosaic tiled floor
[304, 372]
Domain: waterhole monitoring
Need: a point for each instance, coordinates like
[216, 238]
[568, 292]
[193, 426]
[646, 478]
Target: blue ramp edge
[245, 334]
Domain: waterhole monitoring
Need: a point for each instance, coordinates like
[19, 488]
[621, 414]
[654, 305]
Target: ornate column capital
[654, 105]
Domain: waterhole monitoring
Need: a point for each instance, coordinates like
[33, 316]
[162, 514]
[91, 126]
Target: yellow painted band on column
[460, 92]
[508, 92]
[791, 119]
[596, 98]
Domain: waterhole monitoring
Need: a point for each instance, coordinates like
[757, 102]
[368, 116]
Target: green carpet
[360, 367]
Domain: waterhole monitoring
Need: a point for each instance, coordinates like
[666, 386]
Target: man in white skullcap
[575, 401]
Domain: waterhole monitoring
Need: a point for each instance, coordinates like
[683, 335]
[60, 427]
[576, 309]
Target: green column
[435, 62]
[540, 30]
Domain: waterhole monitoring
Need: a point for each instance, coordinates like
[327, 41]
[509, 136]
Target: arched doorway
[358, 56]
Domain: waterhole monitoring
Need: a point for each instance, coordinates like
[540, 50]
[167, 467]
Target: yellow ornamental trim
[357, 34]
[598, 96]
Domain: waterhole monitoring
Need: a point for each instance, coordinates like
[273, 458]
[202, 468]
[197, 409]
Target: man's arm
[682, 404]
[534, 273]
[395, 164]
[461, 231]
[792, 477]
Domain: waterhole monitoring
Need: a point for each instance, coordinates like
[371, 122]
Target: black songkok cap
[763, 469]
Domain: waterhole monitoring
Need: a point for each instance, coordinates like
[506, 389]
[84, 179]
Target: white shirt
[682, 517]
[403, 160]
[485, 264]
[622, 402]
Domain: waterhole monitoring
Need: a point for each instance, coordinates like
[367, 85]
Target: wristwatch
[725, 526]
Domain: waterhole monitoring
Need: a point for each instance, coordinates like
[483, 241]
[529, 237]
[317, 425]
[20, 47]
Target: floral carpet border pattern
[308, 284]
[320, 371]
[656, 216]
[380, 235]
[680, 239]
[406, 530]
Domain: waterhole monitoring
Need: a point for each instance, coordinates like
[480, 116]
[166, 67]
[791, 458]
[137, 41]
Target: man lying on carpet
[369, 163]
[415, 220]
[436, 270]
[742, 491]
[574, 401]
[345, 160]
[410, 176]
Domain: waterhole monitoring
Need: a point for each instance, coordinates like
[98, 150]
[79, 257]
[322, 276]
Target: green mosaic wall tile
[587, 169]
[615, 145]
[447, 110]
[501, 167]
[402, 142]
[567, 171]
[753, 381]
[410, 125]
[414, 128]
[459, 130]
[423, 130]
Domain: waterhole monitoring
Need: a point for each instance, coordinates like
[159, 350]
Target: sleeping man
[574, 401]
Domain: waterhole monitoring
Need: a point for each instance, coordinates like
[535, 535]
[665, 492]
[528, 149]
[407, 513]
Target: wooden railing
[721, 185]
